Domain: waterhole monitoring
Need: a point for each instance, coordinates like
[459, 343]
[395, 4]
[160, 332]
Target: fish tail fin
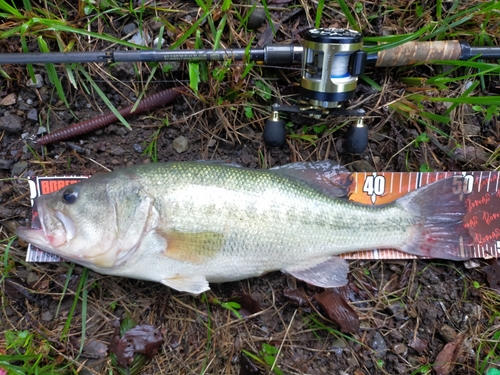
[439, 230]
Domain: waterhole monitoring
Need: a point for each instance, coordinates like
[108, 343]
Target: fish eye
[69, 195]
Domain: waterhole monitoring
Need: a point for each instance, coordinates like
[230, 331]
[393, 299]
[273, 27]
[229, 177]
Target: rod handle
[419, 52]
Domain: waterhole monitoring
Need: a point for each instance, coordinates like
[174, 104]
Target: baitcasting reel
[332, 60]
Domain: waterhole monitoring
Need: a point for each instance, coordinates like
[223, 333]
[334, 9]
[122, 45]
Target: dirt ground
[408, 310]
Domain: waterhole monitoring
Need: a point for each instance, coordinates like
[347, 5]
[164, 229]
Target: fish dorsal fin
[327, 176]
[194, 284]
[328, 274]
[220, 163]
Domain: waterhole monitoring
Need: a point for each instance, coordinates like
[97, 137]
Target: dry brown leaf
[9, 99]
[339, 311]
[248, 306]
[247, 367]
[297, 296]
[143, 338]
[493, 275]
[418, 344]
[447, 357]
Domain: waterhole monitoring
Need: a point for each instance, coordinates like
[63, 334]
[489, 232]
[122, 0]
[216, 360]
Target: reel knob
[357, 138]
[274, 131]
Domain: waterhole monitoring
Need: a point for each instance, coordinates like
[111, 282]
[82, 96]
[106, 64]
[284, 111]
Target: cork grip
[419, 52]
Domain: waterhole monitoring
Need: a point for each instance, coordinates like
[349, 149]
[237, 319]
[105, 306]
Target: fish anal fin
[193, 284]
[326, 176]
[328, 274]
[192, 247]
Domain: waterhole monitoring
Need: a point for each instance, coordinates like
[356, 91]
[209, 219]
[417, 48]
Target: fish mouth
[56, 230]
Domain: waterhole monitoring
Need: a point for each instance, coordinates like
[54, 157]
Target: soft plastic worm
[87, 126]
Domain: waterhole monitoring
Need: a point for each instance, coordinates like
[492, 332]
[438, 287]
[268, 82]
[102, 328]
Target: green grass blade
[65, 287]
[81, 285]
[103, 97]
[85, 276]
[52, 73]
[319, 13]
[268, 16]
[394, 42]
[10, 9]
[189, 32]
[347, 13]
[465, 94]
[483, 100]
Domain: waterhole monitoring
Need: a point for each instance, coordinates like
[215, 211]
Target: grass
[417, 117]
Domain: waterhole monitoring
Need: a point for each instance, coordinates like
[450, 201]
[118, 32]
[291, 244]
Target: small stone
[47, 316]
[29, 101]
[377, 343]
[255, 15]
[156, 41]
[362, 166]
[399, 349]
[6, 164]
[32, 115]
[471, 263]
[471, 129]
[129, 28]
[38, 82]
[5, 213]
[41, 130]
[19, 168]
[11, 123]
[137, 148]
[117, 151]
[32, 278]
[397, 310]
[180, 144]
[122, 130]
[140, 38]
[447, 332]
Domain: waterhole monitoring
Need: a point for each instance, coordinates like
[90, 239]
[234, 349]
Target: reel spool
[332, 60]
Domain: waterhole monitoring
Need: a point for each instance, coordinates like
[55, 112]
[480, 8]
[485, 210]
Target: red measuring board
[479, 190]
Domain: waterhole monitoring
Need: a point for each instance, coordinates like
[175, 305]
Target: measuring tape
[479, 190]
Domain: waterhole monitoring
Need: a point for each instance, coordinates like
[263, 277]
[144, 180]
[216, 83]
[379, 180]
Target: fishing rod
[331, 59]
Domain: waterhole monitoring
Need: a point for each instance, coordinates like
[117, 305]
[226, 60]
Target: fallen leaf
[144, 339]
[9, 99]
[247, 367]
[418, 344]
[248, 306]
[448, 356]
[297, 296]
[339, 311]
[94, 349]
[493, 275]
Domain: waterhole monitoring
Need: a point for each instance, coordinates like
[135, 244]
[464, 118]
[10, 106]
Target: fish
[188, 224]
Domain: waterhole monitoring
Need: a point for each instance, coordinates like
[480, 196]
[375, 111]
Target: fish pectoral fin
[193, 284]
[192, 247]
[328, 274]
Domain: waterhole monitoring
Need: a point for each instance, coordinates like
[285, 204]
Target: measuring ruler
[479, 191]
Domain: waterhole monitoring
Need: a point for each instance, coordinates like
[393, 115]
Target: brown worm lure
[87, 126]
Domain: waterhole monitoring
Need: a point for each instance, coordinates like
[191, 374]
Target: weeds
[267, 356]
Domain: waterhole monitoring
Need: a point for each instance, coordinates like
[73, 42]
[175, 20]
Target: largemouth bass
[190, 223]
